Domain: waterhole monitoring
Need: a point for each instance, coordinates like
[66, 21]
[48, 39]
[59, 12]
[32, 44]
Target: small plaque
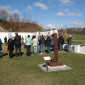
[47, 58]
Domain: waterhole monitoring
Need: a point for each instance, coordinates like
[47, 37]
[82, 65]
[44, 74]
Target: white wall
[77, 48]
[24, 34]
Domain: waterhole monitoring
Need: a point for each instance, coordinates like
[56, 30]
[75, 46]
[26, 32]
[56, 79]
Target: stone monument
[54, 61]
[54, 65]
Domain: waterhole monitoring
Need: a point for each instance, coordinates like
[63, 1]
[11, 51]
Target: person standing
[52, 42]
[35, 42]
[42, 44]
[10, 46]
[5, 40]
[0, 47]
[17, 42]
[28, 45]
[48, 43]
[61, 42]
[69, 40]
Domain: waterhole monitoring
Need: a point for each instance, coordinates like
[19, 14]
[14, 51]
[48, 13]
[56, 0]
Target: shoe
[40, 53]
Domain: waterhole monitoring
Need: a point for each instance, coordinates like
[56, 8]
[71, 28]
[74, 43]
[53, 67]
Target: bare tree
[4, 13]
[15, 20]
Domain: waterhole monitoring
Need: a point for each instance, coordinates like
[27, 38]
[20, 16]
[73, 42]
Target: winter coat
[69, 40]
[11, 44]
[42, 41]
[35, 41]
[17, 40]
[48, 41]
[61, 40]
[28, 41]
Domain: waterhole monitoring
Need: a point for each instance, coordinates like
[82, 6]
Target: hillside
[19, 26]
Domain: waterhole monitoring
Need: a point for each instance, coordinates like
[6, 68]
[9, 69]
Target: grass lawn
[76, 37]
[25, 71]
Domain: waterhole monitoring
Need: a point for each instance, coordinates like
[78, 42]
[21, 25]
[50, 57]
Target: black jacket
[11, 44]
[48, 41]
[69, 40]
[61, 40]
[42, 41]
[17, 40]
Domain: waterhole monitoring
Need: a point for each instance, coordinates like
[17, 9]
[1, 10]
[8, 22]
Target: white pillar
[56, 31]
[51, 32]
[37, 34]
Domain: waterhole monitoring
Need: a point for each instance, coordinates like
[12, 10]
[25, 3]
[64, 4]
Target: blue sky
[49, 13]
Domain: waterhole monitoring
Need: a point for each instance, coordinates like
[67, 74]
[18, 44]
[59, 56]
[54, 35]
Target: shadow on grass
[18, 54]
[4, 54]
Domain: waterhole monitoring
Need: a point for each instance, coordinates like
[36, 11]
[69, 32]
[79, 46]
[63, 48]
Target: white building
[24, 34]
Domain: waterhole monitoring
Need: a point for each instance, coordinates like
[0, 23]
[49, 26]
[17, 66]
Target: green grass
[25, 71]
[76, 37]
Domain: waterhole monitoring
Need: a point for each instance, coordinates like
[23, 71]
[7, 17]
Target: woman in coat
[11, 47]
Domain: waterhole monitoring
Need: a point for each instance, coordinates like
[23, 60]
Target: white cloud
[73, 14]
[67, 10]
[77, 24]
[37, 4]
[5, 7]
[60, 14]
[29, 8]
[68, 14]
[79, 15]
[16, 11]
[59, 25]
[66, 2]
[52, 26]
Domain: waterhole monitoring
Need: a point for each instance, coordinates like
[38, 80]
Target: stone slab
[5, 60]
[56, 68]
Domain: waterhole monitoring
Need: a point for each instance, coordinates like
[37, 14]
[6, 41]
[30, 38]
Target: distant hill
[19, 26]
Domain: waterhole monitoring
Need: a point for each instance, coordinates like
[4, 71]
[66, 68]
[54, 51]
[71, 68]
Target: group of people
[43, 41]
[61, 42]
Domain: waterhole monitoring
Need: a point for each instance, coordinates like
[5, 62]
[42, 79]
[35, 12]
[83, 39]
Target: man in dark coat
[5, 40]
[48, 43]
[17, 41]
[61, 42]
[10, 46]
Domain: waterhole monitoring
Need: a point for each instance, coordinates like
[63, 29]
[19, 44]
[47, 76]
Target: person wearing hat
[69, 40]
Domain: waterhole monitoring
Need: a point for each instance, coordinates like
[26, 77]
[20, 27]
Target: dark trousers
[28, 50]
[16, 50]
[11, 53]
[0, 54]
